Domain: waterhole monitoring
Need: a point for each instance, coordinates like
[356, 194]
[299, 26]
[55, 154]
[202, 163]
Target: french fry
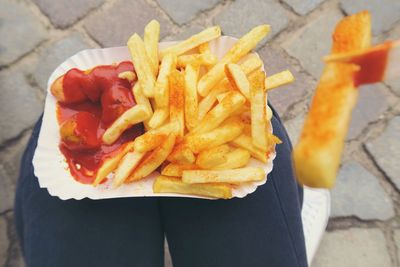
[142, 63]
[191, 102]
[176, 100]
[153, 138]
[153, 160]
[176, 169]
[240, 175]
[227, 132]
[125, 167]
[221, 96]
[130, 76]
[240, 49]
[141, 99]
[236, 158]
[161, 94]
[192, 42]
[278, 79]
[130, 117]
[204, 48]
[182, 154]
[258, 112]
[151, 37]
[111, 164]
[244, 141]
[232, 102]
[238, 79]
[196, 60]
[165, 184]
[212, 157]
[159, 117]
[268, 113]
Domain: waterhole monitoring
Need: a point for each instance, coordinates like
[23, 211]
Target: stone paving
[37, 35]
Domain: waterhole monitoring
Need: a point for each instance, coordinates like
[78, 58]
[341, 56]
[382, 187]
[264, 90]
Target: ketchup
[98, 98]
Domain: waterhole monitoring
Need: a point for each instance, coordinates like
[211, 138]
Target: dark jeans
[262, 229]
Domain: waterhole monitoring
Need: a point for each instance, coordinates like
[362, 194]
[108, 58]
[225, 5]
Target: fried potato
[191, 101]
[153, 160]
[238, 79]
[236, 158]
[240, 175]
[130, 76]
[130, 117]
[240, 49]
[258, 112]
[125, 167]
[153, 138]
[141, 99]
[176, 169]
[161, 94]
[232, 102]
[143, 65]
[225, 133]
[212, 157]
[176, 100]
[165, 184]
[269, 113]
[151, 37]
[244, 141]
[111, 164]
[278, 79]
[182, 154]
[192, 42]
[159, 117]
[196, 60]
[221, 96]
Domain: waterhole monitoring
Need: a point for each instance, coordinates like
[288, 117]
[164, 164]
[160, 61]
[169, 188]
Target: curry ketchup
[99, 98]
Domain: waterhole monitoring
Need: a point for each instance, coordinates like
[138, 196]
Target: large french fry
[176, 169]
[244, 141]
[130, 117]
[240, 175]
[192, 42]
[176, 100]
[232, 102]
[130, 76]
[191, 102]
[125, 167]
[212, 157]
[196, 60]
[111, 164]
[153, 160]
[258, 113]
[141, 99]
[227, 132]
[165, 184]
[238, 79]
[317, 154]
[160, 116]
[143, 65]
[236, 158]
[161, 94]
[153, 138]
[240, 49]
[182, 154]
[278, 79]
[151, 37]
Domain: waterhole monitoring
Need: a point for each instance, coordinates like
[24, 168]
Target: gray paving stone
[18, 104]
[372, 102]
[63, 13]
[186, 33]
[114, 26]
[287, 95]
[55, 54]
[386, 151]
[397, 241]
[182, 11]
[302, 7]
[18, 36]
[313, 41]
[293, 128]
[4, 242]
[7, 189]
[394, 84]
[358, 193]
[384, 12]
[242, 15]
[353, 247]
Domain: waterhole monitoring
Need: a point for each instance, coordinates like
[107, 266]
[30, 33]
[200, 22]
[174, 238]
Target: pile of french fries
[204, 118]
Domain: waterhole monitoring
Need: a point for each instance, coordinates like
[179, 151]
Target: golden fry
[238, 79]
[176, 100]
[191, 102]
[240, 175]
[141, 99]
[258, 112]
[196, 60]
[125, 167]
[176, 169]
[278, 79]
[151, 37]
[212, 157]
[236, 158]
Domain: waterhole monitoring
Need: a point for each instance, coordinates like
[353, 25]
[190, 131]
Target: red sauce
[99, 97]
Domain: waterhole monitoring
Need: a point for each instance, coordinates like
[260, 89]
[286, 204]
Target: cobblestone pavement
[364, 229]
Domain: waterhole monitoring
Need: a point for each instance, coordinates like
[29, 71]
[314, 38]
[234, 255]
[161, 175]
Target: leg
[262, 229]
[118, 232]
